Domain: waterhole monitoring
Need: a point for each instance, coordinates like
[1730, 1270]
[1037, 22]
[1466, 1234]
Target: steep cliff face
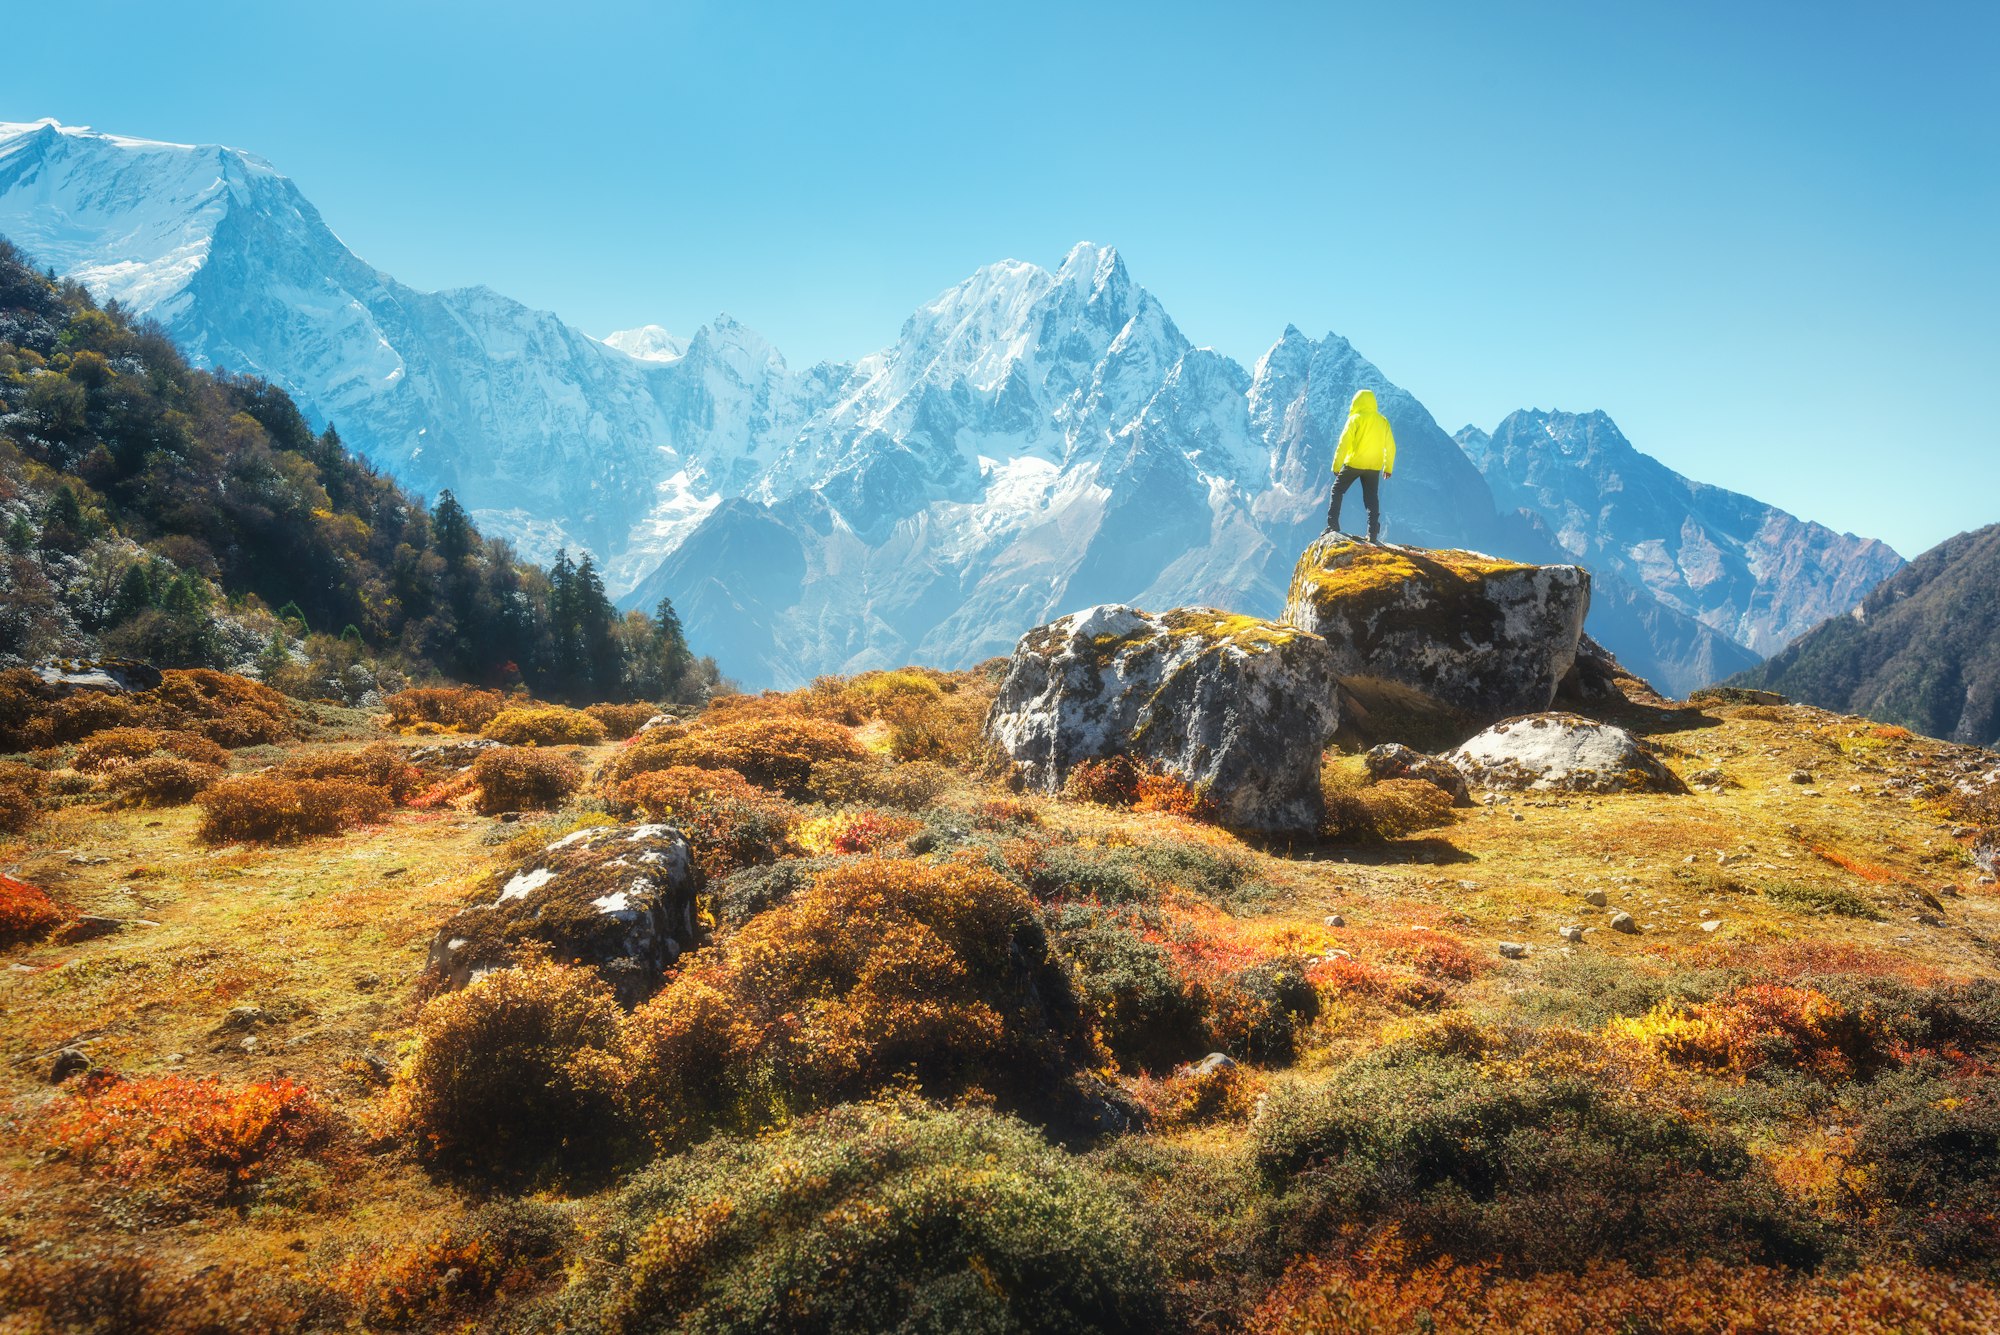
[1922, 650]
[1750, 571]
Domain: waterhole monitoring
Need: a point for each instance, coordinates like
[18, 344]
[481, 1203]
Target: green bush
[1104, 875]
[1488, 1162]
[1931, 1145]
[873, 1218]
[1810, 898]
[1145, 1013]
[516, 1074]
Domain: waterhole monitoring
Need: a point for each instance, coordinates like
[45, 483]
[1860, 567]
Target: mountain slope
[1922, 650]
[1758, 575]
[1033, 440]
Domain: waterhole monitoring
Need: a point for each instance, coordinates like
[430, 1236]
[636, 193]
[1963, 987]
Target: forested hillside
[194, 519]
[1922, 650]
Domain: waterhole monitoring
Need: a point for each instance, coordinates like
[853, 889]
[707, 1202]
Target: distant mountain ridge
[1922, 649]
[1032, 442]
[1749, 570]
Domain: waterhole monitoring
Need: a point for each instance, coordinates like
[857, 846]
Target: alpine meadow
[1047, 825]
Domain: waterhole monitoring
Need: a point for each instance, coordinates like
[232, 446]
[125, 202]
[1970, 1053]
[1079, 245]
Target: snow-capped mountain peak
[649, 343]
[1032, 441]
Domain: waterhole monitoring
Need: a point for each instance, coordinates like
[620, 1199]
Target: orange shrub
[115, 745]
[1382, 1291]
[931, 715]
[849, 832]
[1005, 813]
[883, 971]
[261, 810]
[20, 786]
[161, 781]
[382, 765]
[465, 708]
[776, 751]
[1435, 955]
[230, 710]
[1171, 796]
[198, 1137]
[25, 910]
[728, 821]
[517, 778]
[544, 725]
[622, 721]
[1797, 1027]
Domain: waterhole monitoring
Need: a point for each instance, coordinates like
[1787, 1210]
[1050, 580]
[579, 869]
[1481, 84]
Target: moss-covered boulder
[1563, 753]
[619, 899]
[1237, 707]
[1433, 645]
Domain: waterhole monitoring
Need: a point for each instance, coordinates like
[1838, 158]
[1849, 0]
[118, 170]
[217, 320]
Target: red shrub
[1111, 782]
[200, 1137]
[1171, 796]
[25, 910]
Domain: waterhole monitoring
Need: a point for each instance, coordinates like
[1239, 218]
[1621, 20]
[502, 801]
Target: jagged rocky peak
[1432, 645]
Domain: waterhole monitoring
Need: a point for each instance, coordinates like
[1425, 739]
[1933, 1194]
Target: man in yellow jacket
[1367, 454]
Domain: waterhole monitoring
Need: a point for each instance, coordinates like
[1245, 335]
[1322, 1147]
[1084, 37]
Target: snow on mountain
[649, 343]
[1749, 570]
[1033, 440]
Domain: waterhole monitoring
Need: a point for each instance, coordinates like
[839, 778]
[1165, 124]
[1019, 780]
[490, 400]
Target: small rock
[1708, 913]
[249, 1044]
[1519, 816]
[1801, 776]
[88, 927]
[394, 871]
[1517, 921]
[1622, 921]
[69, 1062]
[1711, 924]
[1594, 898]
[1334, 920]
[1571, 933]
[1213, 1062]
[245, 1017]
[81, 861]
[1513, 950]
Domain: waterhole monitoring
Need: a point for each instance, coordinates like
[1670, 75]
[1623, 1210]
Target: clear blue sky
[1761, 235]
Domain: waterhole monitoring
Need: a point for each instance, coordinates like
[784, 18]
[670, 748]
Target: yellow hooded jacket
[1366, 441]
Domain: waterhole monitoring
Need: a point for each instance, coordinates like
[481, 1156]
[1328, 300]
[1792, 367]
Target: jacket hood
[1364, 402]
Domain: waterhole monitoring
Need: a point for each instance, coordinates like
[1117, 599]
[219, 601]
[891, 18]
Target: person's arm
[1349, 435]
[1389, 450]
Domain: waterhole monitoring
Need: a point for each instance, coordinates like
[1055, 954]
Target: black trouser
[1371, 496]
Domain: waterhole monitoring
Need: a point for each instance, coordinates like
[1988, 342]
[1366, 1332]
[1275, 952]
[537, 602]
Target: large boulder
[110, 676]
[1564, 753]
[1237, 706]
[1432, 645]
[619, 899]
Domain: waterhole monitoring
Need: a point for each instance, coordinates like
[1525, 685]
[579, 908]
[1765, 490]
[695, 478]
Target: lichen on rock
[619, 899]
[1563, 753]
[1236, 706]
[1453, 640]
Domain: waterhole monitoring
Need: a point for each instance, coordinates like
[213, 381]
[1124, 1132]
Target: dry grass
[325, 938]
